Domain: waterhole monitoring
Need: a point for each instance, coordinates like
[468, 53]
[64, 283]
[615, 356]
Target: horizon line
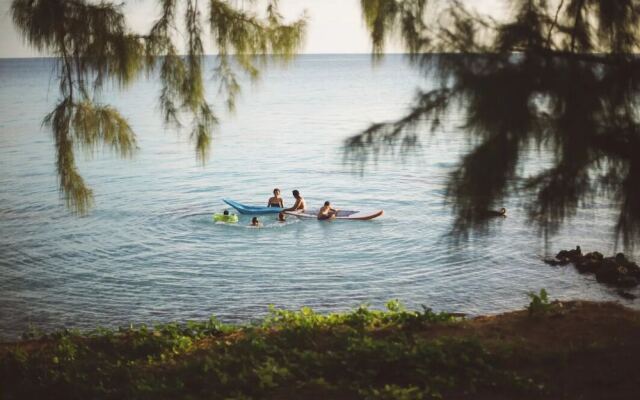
[210, 55]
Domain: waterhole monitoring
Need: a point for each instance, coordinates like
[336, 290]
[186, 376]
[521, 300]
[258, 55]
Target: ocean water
[150, 252]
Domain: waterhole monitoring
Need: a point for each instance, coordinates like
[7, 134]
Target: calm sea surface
[149, 251]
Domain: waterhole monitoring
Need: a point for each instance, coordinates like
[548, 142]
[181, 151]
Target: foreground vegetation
[550, 350]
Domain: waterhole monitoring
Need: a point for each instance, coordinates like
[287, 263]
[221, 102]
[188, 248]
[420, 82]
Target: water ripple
[150, 252]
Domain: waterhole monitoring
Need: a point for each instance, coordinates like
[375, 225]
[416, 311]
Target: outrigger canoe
[342, 214]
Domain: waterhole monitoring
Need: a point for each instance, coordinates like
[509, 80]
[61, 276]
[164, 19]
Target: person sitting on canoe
[326, 212]
[299, 204]
[276, 200]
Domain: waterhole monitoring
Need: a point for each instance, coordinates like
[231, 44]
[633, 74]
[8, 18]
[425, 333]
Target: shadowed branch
[560, 75]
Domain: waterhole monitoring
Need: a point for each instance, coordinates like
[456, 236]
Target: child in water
[255, 222]
[282, 217]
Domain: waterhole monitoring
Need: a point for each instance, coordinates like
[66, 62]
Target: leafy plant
[395, 392]
[364, 353]
[539, 304]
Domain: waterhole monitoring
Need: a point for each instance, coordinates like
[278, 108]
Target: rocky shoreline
[616, 270]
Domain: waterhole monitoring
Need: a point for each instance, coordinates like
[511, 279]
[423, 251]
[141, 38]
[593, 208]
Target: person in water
[326, 212]
[225, 213]
[255, 221]
[282, 217]
[501, 213]
[276, 200]
[299, 204]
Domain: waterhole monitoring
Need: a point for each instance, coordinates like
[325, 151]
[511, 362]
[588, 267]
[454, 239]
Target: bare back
[300, 204]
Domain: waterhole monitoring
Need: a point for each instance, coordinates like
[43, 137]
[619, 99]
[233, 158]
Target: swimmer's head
[225, 212]
[326, 203]
[276, 191]
[281, 217]
[296, 194]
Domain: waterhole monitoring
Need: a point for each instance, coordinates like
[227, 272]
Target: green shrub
[539, 304]
[365, 353]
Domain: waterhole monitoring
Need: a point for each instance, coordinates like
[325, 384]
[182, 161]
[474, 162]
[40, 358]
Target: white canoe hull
[342, 214]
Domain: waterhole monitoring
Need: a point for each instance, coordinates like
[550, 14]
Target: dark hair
[275, 190]
[225, 212]
[326, 203]
[296, 193]
[255, 219]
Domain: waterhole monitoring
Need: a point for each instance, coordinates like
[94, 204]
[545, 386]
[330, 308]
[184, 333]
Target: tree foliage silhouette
[562, 75]
[93, 45]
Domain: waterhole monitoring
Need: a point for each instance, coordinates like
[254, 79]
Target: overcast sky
[335, 26]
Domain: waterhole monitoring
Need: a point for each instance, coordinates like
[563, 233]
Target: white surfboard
[342, 214]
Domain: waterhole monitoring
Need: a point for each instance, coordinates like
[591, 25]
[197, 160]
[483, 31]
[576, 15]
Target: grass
[362, 354]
